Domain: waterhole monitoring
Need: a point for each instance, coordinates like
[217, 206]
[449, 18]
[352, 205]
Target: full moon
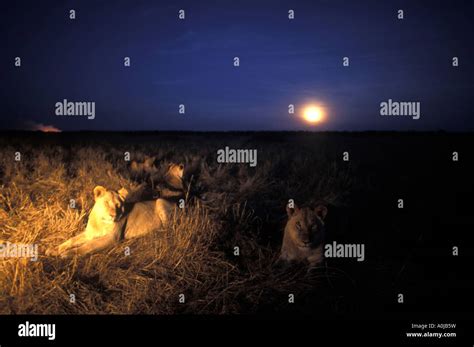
[313, 114]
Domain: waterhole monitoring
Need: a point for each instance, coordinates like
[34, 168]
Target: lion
[112, 219]
[303, 239]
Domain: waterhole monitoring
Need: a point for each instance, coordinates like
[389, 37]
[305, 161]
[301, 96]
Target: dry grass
[228, 206]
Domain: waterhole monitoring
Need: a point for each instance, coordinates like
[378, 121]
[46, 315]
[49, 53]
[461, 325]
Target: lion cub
[303, 239]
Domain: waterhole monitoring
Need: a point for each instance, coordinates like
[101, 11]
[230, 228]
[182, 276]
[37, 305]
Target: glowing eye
[298, 225]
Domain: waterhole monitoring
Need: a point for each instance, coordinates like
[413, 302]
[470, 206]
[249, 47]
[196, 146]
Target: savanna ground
[227, 205]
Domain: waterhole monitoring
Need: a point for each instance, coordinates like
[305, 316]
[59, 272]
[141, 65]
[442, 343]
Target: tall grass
[227, 206]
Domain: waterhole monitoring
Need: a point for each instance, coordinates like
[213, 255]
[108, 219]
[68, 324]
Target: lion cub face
[304, 234]
[109, 205]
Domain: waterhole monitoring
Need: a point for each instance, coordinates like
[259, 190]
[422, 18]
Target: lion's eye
[298, 226]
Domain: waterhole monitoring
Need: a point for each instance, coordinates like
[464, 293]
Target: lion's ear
[98, 191]
[123, 193]
[290, 210]
[321, 211]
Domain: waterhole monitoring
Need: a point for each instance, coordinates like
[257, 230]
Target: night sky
[282, 62]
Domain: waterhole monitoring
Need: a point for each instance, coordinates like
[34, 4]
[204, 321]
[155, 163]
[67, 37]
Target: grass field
[227, 205]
